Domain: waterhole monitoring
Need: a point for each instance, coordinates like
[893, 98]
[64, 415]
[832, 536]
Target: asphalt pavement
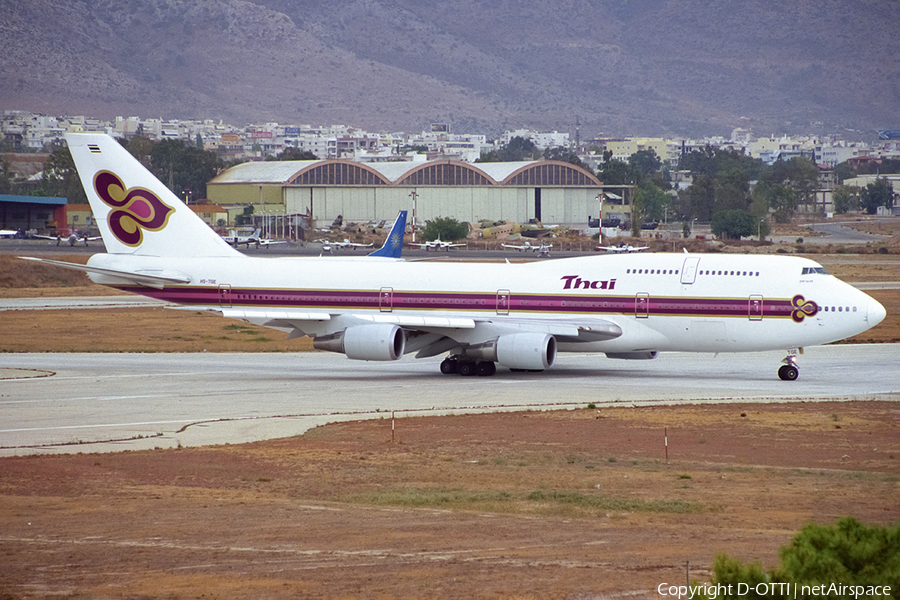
[51, 403]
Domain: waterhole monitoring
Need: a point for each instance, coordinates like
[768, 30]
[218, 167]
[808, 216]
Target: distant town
[24, 131]
[736, 185]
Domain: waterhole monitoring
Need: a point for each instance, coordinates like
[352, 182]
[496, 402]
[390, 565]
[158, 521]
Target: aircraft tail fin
[393, 245]
[135, 212]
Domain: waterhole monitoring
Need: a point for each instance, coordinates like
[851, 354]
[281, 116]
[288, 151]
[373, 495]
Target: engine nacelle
[646, 355]
[532, 351]
[366, 342]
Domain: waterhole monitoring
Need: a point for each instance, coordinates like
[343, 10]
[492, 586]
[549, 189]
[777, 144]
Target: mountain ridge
[622, 67]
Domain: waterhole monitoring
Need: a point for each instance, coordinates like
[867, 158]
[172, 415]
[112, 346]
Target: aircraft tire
[466, 368]
[788, 373]
[448, 366]
[485, 369]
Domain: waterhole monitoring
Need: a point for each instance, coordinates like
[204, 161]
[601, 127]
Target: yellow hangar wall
[570, 206]
[552, 191]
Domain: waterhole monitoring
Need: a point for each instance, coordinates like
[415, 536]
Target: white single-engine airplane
[624, 248]
[236, 239]
[518, 316]
[542, 249]
[437, 245]
[328, 246]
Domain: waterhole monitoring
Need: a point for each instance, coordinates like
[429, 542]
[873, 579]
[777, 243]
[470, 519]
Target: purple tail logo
[803, 308]
[134, 209]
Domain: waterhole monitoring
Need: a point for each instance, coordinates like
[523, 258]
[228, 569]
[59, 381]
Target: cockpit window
[811, 270]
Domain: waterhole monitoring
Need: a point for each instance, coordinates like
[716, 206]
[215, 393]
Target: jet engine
[365, 342]
[531, 351]
[645, 355]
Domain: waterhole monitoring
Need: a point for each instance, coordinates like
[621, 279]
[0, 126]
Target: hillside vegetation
[637, 67]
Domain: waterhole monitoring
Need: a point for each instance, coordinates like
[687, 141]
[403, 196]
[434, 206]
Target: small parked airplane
[8, 233]
[518, 316]
[622, 248]
[236, 239]
[542, 249]
[437, 245]
[328, 246]
[71, 239]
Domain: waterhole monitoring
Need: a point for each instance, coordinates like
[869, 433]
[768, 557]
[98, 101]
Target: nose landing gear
[789, 370]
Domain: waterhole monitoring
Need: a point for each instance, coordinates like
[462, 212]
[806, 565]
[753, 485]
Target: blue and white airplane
[517, 316]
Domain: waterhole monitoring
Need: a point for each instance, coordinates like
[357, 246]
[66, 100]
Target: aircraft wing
[430, 334]
[154, 279]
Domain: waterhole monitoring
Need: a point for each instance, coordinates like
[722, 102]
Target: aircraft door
[225, 295]
[642, 305]
[755, 307]
[502, 302]
[689, 270]
[386, 299]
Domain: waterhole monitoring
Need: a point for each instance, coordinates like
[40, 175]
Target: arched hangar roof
[436, 173]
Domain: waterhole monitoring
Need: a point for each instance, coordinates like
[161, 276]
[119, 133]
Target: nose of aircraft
[875, 313]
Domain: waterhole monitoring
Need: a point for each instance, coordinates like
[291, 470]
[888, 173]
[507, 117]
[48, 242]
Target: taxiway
[52, 403]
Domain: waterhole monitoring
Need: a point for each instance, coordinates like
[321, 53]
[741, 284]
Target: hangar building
[551, 191]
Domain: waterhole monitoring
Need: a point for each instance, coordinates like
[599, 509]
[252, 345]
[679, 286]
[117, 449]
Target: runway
[51, 403]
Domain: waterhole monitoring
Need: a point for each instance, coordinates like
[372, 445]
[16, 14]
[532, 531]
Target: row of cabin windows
[838, 309]
[701, 272]
[730, 273]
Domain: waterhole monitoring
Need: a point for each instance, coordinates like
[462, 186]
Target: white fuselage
[661, 301]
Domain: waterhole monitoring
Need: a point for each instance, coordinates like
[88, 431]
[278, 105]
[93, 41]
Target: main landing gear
[466, 368]
[789, 370]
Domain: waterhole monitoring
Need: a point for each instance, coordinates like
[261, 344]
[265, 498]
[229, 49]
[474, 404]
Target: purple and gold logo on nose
[803, 308]
[135, 209]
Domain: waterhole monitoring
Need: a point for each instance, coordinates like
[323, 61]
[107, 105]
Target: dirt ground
[563, 504]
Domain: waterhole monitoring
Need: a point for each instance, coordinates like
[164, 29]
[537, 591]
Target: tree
[879, 193]
[446, 229]
[638, 212]
[60, 177]
[565, 155]
[843, 171]
[645, 162]
[185, 169]
[294, 154]
[844, 199]
[800, 173]
[783, 201]
[6, 178]
[732, 190]
[733, 224]
[848, 553]
[655, 200]
[711, 161]
[698, 200]
[517, 149]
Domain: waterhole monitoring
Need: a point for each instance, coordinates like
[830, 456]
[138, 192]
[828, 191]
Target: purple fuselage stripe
[521, 303]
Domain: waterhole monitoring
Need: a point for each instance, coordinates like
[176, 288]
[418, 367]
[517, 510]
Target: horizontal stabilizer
[157, 279]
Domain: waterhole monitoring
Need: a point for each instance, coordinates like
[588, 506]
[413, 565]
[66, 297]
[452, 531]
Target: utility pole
[414, 196]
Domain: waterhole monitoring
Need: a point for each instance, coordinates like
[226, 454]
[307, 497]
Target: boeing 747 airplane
[517, 316]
